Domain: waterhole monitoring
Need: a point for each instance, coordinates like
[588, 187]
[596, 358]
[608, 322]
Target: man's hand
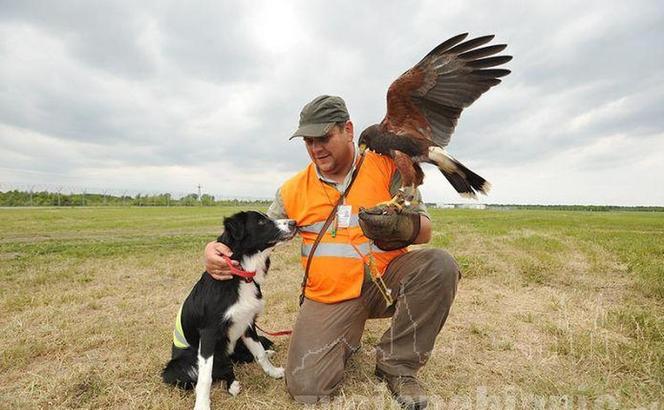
[215, 264]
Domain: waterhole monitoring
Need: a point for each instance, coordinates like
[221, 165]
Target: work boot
[405, 389]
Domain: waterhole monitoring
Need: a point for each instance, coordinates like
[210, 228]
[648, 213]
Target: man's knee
[441, 269]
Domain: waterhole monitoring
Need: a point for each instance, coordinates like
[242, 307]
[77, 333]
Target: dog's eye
[261, 222]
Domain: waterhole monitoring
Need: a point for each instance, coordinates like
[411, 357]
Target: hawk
[423, 106]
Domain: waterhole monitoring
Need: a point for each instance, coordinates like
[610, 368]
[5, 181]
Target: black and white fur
[218, 314]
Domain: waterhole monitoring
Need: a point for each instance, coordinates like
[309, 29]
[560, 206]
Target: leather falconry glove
[388, 228]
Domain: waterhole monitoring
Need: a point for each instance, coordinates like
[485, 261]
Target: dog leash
[247, 276]
[279, 333]
[325, 226]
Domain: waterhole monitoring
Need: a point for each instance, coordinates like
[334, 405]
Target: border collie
[216, 323]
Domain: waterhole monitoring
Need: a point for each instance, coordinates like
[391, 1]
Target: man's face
[333, 153]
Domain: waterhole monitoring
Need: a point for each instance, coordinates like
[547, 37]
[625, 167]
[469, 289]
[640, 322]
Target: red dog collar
[247, 276]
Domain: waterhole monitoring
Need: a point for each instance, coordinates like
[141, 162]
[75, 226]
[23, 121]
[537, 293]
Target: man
[340, 295]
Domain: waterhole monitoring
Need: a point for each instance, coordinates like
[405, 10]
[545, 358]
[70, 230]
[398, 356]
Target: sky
[161, 96]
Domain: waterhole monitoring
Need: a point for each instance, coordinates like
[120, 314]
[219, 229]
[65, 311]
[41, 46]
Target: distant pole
[31, 188]
[59, 189]
[199, 195]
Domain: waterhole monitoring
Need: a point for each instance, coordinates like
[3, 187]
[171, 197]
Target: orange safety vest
[337, 270]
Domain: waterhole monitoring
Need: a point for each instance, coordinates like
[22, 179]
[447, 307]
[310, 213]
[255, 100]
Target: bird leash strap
[331, 217]
[371, 271]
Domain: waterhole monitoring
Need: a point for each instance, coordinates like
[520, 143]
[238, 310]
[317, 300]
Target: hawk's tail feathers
[465, 182]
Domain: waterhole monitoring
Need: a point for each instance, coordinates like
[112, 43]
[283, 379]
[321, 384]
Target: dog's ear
[234, 226]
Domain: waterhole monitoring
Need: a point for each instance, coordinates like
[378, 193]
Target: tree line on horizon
[45, 198]
[15, 198]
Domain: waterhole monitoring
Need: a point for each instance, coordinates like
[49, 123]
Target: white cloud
[154, 96]
[611, 170]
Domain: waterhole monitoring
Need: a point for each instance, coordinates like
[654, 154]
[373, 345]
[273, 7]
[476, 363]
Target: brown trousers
[423, 283]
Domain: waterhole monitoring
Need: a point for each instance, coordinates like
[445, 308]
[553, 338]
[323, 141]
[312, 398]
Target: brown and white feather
[428, 99]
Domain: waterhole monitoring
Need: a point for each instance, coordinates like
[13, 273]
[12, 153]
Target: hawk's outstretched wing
[427, 100]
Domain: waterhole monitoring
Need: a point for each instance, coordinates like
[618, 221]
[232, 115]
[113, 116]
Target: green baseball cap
[319, 116]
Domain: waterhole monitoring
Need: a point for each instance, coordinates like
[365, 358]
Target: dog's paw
[234, 388]
[276, 372]
[201, 405]
[270, 353]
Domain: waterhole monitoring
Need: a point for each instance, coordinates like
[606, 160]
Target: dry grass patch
[542, 315]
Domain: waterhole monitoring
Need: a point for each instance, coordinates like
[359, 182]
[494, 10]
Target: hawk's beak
[363, 147]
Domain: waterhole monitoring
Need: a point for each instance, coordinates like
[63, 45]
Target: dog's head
[250, 232]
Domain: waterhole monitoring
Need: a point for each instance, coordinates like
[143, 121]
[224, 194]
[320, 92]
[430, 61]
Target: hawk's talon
[396, 202]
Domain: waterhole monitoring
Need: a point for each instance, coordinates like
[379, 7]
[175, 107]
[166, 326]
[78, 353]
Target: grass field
[555, 310]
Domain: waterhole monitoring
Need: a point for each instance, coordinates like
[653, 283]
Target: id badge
[343, 215]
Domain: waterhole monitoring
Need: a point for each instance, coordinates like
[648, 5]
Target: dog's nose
[288, 226]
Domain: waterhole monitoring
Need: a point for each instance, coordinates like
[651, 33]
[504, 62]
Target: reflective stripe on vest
[178, 335]
[341, 250]
[316, 227]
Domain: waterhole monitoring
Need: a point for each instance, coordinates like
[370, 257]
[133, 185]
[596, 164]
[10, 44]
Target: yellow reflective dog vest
[178, 334]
